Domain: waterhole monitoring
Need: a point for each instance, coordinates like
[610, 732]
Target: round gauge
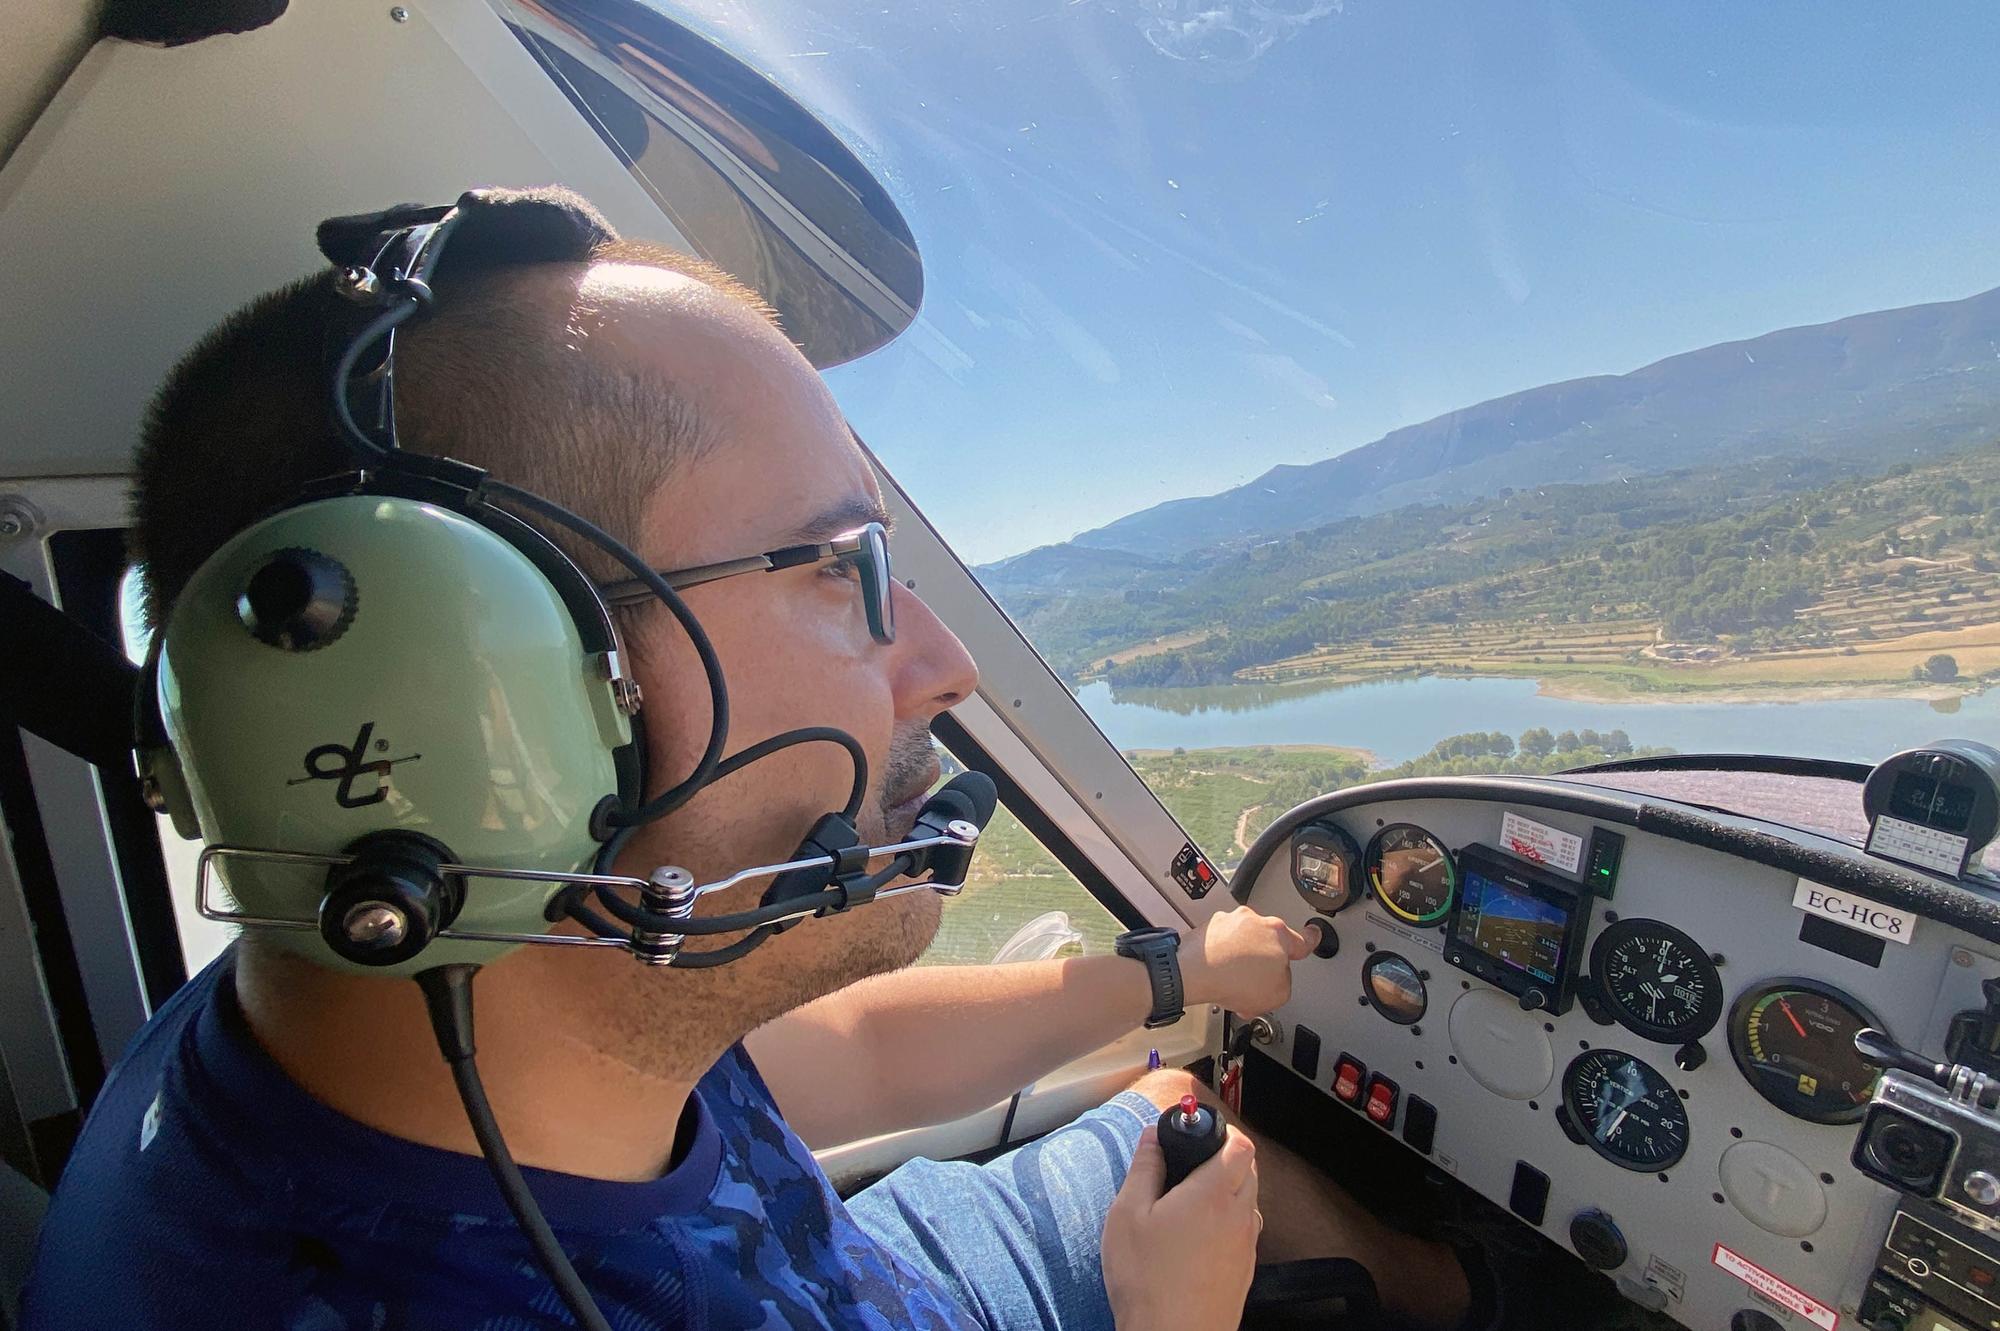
[1395, 988]
[1624, 1110]
[1412, 873]
[1794, 1042]
[1656, 981]
[1325, 866]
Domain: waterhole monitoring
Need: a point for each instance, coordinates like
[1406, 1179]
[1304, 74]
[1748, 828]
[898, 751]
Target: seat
[22, 1206]
[1328, 1293]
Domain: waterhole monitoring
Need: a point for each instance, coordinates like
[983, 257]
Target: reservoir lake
[1400, 719]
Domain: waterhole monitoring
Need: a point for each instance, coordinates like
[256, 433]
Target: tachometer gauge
[1625, 1111]
[1656, 981]
[1794, 1042]
[1412, 873]
[1326, 865]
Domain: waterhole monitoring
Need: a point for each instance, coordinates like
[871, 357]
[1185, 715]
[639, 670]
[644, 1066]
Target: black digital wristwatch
[1160, 949]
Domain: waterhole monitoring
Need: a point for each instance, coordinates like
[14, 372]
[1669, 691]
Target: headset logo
[341, 763]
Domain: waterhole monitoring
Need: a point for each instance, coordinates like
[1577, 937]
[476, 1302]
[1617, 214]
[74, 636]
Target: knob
[1597, 1240]
[1533, 999]
[1320, 934]
[390, 899]
[1982, 1187]
[298, 600]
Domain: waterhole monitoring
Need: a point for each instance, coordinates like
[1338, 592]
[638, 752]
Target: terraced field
[1873, 625]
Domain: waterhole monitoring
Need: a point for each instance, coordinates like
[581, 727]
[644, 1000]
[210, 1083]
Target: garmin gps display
[1517, 927]
[1512, 927]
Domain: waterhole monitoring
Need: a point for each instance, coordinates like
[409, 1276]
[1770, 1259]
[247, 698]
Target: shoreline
[1601, 688]
[1584, 686]
[1367, 756]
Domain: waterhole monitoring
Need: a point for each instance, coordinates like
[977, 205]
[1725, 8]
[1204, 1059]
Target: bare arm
[930, 1044]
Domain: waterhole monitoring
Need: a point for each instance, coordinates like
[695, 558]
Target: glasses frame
[867, 547]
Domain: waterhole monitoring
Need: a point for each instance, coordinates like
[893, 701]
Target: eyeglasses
[866, 548]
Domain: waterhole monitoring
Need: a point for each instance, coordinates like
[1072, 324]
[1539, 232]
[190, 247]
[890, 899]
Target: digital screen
[1313, 865]
[1513, 927]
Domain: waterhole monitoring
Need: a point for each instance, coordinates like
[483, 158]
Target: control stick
[1190, 1133]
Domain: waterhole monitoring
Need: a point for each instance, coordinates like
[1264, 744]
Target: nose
[934, 672]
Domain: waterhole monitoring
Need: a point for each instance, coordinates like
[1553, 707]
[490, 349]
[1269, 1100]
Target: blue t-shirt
[209, 1190]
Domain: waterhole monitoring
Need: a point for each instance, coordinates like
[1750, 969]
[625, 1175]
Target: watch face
[1138, 938]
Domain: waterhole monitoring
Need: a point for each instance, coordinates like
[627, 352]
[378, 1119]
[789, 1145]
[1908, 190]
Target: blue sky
[1172, 243]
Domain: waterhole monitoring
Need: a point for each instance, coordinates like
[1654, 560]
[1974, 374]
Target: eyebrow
[851, 512]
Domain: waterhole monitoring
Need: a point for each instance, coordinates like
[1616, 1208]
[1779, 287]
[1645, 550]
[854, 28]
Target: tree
[1537, 743]
[1567, 741]
[1942, 667]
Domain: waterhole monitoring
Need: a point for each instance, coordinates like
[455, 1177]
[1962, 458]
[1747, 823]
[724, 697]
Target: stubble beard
[675, 1023]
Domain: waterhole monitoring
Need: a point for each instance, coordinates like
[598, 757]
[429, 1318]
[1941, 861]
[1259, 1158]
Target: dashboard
[1627, 1021]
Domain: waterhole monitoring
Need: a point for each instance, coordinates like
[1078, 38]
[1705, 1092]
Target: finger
[1147, 1178]
[1295, 943]
[1233, 1166]
[1248, 1185]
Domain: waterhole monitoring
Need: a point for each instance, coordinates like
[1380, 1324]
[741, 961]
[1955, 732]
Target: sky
[1170, 244]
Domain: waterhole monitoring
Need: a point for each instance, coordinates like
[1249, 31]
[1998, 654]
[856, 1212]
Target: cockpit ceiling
[45, 39]
[145, 187]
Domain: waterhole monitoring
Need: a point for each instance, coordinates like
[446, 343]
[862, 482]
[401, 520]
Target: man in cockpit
[282, 1145]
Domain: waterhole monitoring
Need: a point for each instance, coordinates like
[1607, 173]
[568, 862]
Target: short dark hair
[241, 425]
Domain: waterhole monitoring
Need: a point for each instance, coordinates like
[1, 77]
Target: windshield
[1335, 391]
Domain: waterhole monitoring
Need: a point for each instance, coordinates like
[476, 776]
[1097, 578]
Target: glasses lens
[879, 582]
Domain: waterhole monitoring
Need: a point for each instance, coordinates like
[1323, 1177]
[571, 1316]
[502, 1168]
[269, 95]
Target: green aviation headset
[400, 718]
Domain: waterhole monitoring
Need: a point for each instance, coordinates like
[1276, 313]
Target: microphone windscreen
[980, 794]
[943, 806]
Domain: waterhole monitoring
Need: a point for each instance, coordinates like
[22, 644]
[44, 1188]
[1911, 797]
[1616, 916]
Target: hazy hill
[1925, 376]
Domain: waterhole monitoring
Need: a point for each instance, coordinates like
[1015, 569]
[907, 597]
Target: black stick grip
[1189, 1134]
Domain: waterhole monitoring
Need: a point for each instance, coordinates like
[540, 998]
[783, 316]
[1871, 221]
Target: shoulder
[145, 1178]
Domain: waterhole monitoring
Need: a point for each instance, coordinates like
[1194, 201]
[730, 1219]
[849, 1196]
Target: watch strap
[1160, 954]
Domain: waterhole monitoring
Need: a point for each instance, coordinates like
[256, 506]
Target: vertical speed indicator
[1624, 1110]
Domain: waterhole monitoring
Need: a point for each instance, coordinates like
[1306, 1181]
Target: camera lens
[1904, 1151]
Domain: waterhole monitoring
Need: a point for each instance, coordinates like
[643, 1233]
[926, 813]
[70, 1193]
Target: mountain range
[1912, 380]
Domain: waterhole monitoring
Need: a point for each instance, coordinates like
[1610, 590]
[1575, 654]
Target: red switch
[1348, 1075]
[1381, 1105]
[1202, 871]
[1980, 1276]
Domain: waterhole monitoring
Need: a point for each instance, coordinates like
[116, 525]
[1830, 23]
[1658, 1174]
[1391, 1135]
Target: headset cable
[448, 994]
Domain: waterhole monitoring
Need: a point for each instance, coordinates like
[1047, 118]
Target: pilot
[282, 1146]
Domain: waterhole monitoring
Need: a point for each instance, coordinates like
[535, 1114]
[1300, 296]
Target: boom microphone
[969, 797]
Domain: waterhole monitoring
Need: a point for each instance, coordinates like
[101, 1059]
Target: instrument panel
[1636, 1043]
